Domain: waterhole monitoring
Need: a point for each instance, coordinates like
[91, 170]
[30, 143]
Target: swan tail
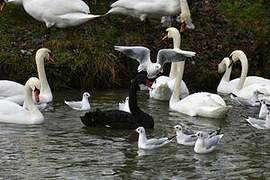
[219, 112]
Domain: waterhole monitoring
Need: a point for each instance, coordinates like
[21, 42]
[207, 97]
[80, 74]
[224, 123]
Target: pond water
[63, 148]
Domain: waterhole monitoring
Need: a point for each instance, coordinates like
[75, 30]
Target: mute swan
[198, 104]
[226, 85]
[142, 55]
[154, 9]
[262, 85]
[58, 13]
[117, 119]
[82, 105]
[162, 87]
[144, 143]
[206, 143]
[13, 91]
[10, 90]
[11, 112]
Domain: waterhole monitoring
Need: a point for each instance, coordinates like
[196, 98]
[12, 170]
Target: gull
[144, 143]
[124, 105]
[259, 123]
[142, 55]
[82, 105]
[206, 143]
[253, 101]
[184, 139]
[263, 110]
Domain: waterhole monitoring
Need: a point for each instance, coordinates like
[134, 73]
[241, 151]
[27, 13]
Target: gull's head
[140, 130]
[153, 70]
[200, 134]
[86, 95]
[178, 128]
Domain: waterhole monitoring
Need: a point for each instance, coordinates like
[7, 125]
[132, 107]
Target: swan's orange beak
[95, 2]
[3, 5]
[165, 37]
[231, 61]
[148, 84]
[182, 28]
[36, 92]
[51, 59]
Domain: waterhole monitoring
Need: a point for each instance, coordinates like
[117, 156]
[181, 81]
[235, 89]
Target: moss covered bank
[89, 61]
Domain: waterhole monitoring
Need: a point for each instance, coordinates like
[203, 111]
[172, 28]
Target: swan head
[141, 79]
[235, 56]
[140, 130]
[223, 64]
[35, 85]
[185, 19]
[172, 33]
[86, 95]
[44, 53]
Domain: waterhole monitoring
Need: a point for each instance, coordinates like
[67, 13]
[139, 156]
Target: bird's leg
[47, 33]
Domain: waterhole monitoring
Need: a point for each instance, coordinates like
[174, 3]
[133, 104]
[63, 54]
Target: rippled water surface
[62, 148]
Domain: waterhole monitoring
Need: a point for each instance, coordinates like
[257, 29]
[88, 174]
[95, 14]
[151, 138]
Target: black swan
[117, 119]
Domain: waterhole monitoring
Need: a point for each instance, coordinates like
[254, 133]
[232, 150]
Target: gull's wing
[140, 53]
[173, 55]
[157, 142]
[212, 141]
[257, 123]
[74, 104]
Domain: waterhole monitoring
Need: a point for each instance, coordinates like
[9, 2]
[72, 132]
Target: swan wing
[10, 88]
[172, 55]
[140, 53]
[61, 7]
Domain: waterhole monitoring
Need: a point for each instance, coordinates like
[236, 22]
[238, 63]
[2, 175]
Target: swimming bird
[124, 106]
[117, 119]
[58, 13]
[253, 101]
[143, 9]
[163, 86]
[142, 55]
[184, 139]
[263, 110]
[82, 105]
[144, 143]
[259, 123]
[206, 143]
[227, 86]
[14, 91]
[11, 112]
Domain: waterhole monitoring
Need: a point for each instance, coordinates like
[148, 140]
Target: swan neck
[45, 88]
[244, 64]
[226, 76]
[184, 7]
[176, 45]
[133, 106]
[28, 99]
[179, 76]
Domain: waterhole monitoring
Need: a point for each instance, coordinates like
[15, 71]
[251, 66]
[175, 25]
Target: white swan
[260, 84]
[82, 105]
[10, 90]
[154, 9]
[198, 104]
[162, 87]
[58, 13]
[226, 85]
[11, 112]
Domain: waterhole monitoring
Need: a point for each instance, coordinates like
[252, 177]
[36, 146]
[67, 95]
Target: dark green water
[62, 148]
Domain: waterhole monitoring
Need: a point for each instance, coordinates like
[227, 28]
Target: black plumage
[117, 119]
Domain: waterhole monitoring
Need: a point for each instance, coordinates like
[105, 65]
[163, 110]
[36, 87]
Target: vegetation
[88, 60]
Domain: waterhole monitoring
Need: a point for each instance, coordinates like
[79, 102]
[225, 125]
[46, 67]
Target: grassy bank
[89, 61]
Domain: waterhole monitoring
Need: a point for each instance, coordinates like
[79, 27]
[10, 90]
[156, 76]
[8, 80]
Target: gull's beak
[231, 62]
[182, 28]
[165, 37]
[36, 92]
[3, 5]
[134, 130]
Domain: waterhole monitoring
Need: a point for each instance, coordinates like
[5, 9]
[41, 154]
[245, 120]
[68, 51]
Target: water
[62, 148]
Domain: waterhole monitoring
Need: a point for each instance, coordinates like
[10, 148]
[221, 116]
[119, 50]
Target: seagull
[206, 143]
[124, 105]
[253, 101]
[184, 139]
[259, 123]
[263, 110]
[83, 105]
[144, 143]
[142, 55]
